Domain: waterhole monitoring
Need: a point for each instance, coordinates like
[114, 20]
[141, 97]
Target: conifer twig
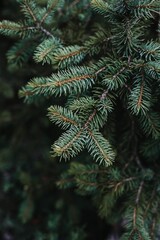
[47, 33]
[30, 12]
[53, 5]
[139, 192]
[124, 181]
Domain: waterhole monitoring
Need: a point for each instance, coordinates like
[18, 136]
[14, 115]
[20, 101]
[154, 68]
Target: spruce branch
[29, 8]
[82, 104]
[144, 9]
[134, 219]
[45, 31]
[106, 74]
[52, 5]
[154, 222]
[68, 56]
[104, 94]
[10, 28]
[147, 209]
[75, 2]
[153, 228]
[122, 182]
[115, 76]
[140, 95]
[21, 52]
[139, 192]
[62, 117]
[79, 78]
[150, 124]
[45, 51]
[97, 41]
[100, 6]
[70, 143]
[100, 70]
[139, 102]
[99, 148]
[90, 119]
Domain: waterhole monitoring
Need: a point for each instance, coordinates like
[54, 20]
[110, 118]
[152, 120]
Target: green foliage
[62, 116]
[67, 56]
[45, 51]
[9, 28]
[102, 78]
[100, 6]
[140, 97]
[80, 78]
[100, 148]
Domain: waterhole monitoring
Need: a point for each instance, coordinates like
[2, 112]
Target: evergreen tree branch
[50, 7]
[139, 192]
[63, 117]
[30, 11]
[149, 204]
[70, 143]
[45, 31]
[101, 104]
[38, 24]
[45, 51]
[123, 181]
[154, 222]
[80, 78]
[153, 227]
[100, 6]
[66, 56]
[139, 102]
[11, 28]
[99, 148]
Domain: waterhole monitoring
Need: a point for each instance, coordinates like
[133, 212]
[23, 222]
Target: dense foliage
[97, 64]
[31, 207]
